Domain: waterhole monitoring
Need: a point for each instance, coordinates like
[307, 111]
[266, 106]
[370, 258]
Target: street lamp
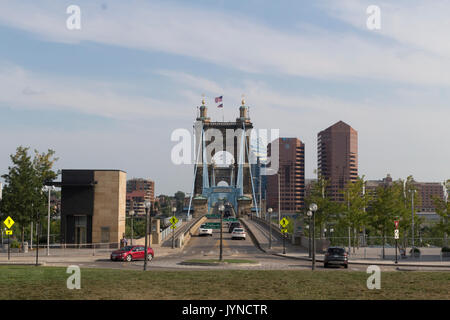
[131, 213]
[147, 205]
[412, 225]
[309, 214]
[174, 210]
[270, 227]
[331, 234]
[49, 189]
[313, 209]
[221, 210]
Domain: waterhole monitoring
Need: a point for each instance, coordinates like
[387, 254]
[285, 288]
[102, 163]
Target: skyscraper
[337, 157]
[292, 176]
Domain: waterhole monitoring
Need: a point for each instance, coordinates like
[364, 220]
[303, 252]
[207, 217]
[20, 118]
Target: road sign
[8, 222]
[396, 224]
[230, 219]
[173, 226]
[396, 234]
[173, 220]
[213, 216]
[212, 225]
[284, 222]
[8, 232]
[284, 230]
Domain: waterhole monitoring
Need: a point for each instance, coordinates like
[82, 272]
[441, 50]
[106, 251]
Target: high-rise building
[291, 172]
[337, 157]
[428, 192]
[139, 191]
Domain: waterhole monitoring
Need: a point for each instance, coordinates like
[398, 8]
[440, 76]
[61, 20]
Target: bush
[416, 250]
[445, 249]
[15, 244]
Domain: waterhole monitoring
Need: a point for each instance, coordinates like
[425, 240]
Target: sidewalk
[260, 234]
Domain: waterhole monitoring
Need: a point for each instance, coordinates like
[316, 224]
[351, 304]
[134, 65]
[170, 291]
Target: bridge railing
[168, 231]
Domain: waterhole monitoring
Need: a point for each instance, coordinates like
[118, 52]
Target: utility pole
[270, 228]
[147, 207]
[412, 224]
[279, 199]
[221, 210]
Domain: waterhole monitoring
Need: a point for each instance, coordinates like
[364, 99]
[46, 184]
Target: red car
[130, 253]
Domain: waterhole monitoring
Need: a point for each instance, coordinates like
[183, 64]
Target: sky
[109, 95]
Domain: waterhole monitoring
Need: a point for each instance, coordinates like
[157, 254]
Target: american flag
[220, 105]
[218, 99]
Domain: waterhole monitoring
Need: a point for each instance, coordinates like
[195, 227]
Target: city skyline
[102, 99]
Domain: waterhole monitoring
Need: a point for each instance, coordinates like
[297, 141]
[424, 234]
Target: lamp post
[331, 234]
[309, 214]
[270, 227]
[174, 210]
[147, 208]
[412, 224]
[221, 209]
[313, 209]
[279, 199]
[131, 213]
[49, 189]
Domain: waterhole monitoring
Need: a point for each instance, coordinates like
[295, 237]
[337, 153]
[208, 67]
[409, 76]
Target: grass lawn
[29, 282]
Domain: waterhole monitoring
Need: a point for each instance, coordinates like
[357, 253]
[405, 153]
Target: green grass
[29, 282]
[218, 261]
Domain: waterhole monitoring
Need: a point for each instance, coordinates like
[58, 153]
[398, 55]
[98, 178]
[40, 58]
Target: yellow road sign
[284, 222]
[173, 226]
[284, 230]
[8, 222]
[8, 232]
[173, 220]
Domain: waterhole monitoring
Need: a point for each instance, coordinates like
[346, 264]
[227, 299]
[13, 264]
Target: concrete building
[139, 191]
[92, 206]
[337, 157]
[292, 177]
[427, 192]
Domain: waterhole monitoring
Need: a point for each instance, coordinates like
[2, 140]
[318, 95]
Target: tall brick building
[139, 191]
[337, 157]
[292, 176]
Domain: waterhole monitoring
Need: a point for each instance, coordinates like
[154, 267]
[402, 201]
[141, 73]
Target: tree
[23, 198]
[179, 199]
[356, 202]
[443, 210]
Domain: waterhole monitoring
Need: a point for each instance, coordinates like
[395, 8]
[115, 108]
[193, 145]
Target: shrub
[15, 244]
[416, 250]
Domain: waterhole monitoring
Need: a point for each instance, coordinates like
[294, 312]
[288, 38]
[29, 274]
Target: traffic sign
[213, 216]
[284, 230]
[8, 232]
[212, 225]
[396, 234]
[284, 222]
[173, 226]
[396, 224]
[9, 222]
[173, 220]
[230, 219]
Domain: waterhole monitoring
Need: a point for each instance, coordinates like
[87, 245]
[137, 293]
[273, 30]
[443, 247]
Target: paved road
[204, 247]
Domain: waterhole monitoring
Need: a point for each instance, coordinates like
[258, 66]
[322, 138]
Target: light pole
[309, 214]
[174, 210]
[49, 189]
[147, 207]
[279, 199]
[221, 209]
[270, 227]
[331, 234]
[412, 224]
[131, 213]
[313, 209]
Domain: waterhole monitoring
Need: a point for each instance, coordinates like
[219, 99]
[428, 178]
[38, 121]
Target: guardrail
[168, 231]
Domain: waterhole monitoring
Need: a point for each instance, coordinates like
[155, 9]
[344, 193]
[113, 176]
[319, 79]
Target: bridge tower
[222, 171]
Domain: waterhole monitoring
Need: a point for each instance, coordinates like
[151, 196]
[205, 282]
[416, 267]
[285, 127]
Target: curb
[22, 264]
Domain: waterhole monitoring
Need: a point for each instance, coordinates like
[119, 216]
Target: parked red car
[130, 253]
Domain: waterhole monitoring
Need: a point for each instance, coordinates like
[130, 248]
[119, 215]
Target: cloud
[245, 44]
[21, 88]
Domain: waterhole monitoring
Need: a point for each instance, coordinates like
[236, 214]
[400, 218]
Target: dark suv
[336, 256]
[234, 225]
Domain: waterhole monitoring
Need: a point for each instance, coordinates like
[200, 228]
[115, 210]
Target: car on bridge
[205, 231]
[335, 256]
[130, 253]
[233, 225]
[238, 233]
